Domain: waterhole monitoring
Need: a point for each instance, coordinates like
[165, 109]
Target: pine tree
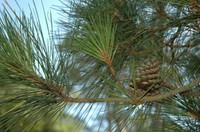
[133, 64]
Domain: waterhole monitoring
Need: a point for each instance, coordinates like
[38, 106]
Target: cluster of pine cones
[148, 78]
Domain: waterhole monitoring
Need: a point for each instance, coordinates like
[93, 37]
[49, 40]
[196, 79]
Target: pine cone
[148, 76]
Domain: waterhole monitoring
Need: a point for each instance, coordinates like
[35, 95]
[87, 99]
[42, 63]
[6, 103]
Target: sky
[24, 5]
[49, 6]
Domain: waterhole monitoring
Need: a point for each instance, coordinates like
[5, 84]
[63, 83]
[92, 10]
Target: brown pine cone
[148, 76]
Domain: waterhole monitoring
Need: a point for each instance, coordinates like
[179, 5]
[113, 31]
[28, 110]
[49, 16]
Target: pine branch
[136, 100]
[194, 114]
[40, 84]
[113, 72]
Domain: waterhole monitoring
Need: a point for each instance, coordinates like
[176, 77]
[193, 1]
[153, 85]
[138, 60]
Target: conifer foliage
[133, 64]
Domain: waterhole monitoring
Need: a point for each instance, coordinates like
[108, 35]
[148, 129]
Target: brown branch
[108, 61]
[193, 92]
[185, 46]
[171, 93]
[136, 100]
[178, 23]
[194, 114]
[166, 44]
[116, 79]
[126, 91]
